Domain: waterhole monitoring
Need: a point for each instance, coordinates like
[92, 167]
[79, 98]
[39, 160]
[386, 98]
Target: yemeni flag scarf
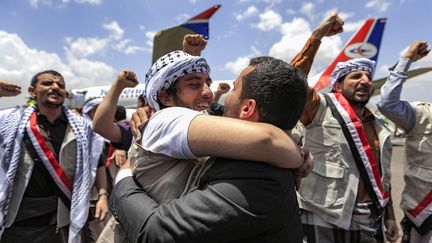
[78, 191]
[360, 148]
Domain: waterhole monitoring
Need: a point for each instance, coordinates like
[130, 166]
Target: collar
[41, 118]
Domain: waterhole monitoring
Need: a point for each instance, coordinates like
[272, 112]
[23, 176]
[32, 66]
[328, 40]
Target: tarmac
[397, 181]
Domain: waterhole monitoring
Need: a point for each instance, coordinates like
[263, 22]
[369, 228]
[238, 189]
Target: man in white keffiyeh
[169, 76]
[48, 160]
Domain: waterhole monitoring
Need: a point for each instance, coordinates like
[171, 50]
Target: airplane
[171, 39]
[365, 42]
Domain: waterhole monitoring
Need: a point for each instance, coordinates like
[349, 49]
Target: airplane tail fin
[171, 39]
[365, 43]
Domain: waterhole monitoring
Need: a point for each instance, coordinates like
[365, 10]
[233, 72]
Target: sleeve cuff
[123, 173]
[403, 65]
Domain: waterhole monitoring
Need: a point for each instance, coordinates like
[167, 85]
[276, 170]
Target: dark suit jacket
[238, 201]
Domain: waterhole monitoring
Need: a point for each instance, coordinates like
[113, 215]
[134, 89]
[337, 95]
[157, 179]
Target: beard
[357, 102]
[232, 111]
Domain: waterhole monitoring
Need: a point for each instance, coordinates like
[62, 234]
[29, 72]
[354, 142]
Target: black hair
[171, 91]
[120, 113]
[33, 81]
[279, 90]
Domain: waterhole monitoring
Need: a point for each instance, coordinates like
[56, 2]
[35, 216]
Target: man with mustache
[48, 161]
[348, 191]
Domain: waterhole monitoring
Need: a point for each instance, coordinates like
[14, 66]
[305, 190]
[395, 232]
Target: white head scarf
[343, 68]
[167, 69]
[90, 104]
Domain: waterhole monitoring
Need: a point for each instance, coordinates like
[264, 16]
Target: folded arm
[186, 134]
[242, 140]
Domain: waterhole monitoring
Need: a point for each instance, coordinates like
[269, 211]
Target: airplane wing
[171, 39]
[376, 84]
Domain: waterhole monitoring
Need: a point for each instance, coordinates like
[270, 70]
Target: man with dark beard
[348, 191]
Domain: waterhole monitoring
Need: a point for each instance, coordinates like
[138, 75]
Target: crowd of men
[183, 173]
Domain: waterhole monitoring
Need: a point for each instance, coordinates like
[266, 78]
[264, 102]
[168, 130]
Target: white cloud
[150, 36]
[134, 49]
[93, 2]
[142, 27]
[291, 11]
[249, 12]
[90, 73]
[115, 29]
[343, 15]
[240, 63]
[83, 47]
[353, 26]
[237, 65]
[294, 36]
[35, 3]
[269, 20]
[379, 5]
[19, 63]
[308, 9]
[182, 17]
[348, 26]
[127, 48]
[121, 45]
[271, 2]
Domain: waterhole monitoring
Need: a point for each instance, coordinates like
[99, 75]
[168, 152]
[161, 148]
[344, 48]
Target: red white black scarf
[48, 158]
[359, 145]
[89, 148]
[422, 212]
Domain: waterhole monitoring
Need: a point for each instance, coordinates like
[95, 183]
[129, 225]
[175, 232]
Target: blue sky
[89, 41]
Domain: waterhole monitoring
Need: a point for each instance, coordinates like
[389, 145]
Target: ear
[249, 110]
[338, 86]
[31, 91]
[165, 99]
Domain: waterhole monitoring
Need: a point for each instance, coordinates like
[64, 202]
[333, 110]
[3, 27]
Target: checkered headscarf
[90, 104]
[343, 68]
[167, 69]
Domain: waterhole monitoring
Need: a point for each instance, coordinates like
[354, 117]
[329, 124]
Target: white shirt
[167, 133]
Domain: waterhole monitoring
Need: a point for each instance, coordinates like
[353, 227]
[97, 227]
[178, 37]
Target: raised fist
[9, 89]
[194, 44]
[417, 50]
[332, 25]
[127, 79]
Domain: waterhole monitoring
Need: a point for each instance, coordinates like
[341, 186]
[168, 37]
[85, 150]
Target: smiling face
[356, 87]
[193, 92]
[49, 90]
